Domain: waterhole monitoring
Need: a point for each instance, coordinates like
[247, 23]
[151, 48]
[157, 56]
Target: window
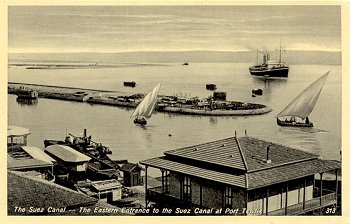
[187, 189]
[228, 197]
[166, 181]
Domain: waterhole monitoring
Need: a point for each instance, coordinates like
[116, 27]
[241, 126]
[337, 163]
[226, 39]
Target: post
[321, 174]
[163, 190]
[146, 195]
[304, 196]
[200, 195]
[336, 187]
[285, 209]
[246, 203]
[267, 201]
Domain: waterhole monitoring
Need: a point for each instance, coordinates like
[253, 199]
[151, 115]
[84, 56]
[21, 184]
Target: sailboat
[145, 109]
[302, 105]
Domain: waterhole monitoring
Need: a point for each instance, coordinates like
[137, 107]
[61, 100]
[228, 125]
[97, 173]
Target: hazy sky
[144, 28]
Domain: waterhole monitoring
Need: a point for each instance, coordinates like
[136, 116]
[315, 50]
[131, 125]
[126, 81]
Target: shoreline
[119, 99]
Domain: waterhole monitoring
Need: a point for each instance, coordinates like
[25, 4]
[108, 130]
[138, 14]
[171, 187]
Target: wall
[277, 195]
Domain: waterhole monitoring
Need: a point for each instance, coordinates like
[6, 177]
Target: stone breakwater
[168, 104]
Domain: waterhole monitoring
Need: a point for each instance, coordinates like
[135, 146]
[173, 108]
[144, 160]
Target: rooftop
[25, 191]
[246, 154]
[15, 131]
[128, 167]
[66, 153]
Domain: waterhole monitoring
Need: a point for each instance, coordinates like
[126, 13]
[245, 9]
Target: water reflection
[26, 102]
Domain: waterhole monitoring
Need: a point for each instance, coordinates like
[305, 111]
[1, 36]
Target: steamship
[270, 68]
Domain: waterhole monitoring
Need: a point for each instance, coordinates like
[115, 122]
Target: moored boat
[297, 112]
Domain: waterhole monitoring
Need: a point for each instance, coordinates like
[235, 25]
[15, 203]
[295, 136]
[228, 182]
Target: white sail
[146, 107]
[305, 102]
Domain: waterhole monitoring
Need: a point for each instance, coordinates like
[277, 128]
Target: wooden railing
[310, 205]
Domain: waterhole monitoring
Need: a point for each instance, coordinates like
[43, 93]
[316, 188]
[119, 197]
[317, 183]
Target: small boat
[302, 105]
[257, 92]
[270, 68]
[210, 86]
[25, 93]
[185, 63]
[130, 84]
[145, 109]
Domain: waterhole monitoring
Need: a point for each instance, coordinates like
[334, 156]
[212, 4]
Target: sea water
[53, 119]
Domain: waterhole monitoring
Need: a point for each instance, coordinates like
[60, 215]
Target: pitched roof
[38, 153]
[247, 152]
[290, 172]
[128, 167]
[225, 152]
[25, 191]
[106, 184]
[254, 151]
[66, 153]
[16, 164]
[226, 178]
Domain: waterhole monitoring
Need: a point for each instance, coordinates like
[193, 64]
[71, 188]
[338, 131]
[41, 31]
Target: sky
[172, 28]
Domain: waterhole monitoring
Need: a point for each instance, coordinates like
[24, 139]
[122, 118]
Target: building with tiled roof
[242, 174]
[25, 192]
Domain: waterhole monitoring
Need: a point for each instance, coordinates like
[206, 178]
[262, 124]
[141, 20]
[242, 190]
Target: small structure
[247, 174]
[130, 84]
[210, 86]
[131, 174]
[39, 197]
[30, 160]
[258, 92]
[16, 136]
[25, 93]
[104, 189]
[68, 158]
[219, 96]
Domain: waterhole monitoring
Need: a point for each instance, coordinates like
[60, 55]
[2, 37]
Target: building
[242, 176]
[30, 160]
[111, 190]
[131, 174]
[68, 158]
[33, 196]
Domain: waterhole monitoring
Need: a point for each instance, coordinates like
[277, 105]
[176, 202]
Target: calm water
[51, 119]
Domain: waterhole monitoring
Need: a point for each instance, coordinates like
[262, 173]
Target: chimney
[268, 160]
[84, 132]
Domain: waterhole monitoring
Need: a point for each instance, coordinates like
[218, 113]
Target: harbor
[173, 111]
[171, 104]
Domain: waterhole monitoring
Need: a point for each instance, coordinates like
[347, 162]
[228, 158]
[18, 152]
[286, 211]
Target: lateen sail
[146, 107]
[305, 102]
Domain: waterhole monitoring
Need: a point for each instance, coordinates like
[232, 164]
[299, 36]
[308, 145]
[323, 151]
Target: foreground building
[242, 176]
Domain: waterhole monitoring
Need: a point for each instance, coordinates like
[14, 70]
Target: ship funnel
[264, 58]
[268, 160]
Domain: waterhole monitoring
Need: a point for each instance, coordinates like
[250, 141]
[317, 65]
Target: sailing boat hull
[294, 124]
[140, 121]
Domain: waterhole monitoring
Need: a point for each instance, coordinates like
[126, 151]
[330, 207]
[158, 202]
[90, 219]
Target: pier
[170, 104]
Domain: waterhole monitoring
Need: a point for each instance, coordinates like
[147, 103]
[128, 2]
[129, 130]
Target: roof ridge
[191, 146]
[279, 144]
[242, 154]
[283, 164]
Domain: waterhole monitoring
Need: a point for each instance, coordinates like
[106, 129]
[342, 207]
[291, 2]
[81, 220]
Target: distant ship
[270, 68]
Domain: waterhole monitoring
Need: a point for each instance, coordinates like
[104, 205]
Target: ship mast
[280, 53]
[257, 56]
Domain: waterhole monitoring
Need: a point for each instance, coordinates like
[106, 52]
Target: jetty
[171, 104]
